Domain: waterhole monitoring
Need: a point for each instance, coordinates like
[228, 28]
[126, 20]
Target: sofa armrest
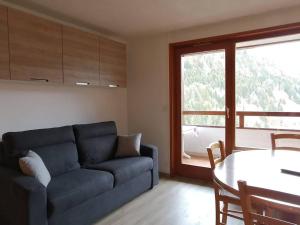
[23, 199]
[151, 151]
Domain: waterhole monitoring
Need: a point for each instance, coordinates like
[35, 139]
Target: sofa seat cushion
[70, 189]
[125, 169]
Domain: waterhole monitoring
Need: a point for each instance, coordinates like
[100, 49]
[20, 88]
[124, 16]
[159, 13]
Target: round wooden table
[261, 168]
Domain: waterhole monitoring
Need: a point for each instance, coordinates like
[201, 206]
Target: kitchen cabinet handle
[82, 83]
[39, 79]
[113, 85]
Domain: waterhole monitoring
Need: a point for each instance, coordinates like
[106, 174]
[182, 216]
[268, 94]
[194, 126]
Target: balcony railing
[243, 114]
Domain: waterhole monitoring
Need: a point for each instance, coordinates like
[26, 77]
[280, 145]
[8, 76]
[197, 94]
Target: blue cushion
[125, 169]
[56, 147]
[71, 189]
[96, 142]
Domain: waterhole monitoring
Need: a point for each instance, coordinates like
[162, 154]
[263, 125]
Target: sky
[285, 55]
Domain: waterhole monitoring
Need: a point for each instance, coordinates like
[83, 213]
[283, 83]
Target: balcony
[196, 138]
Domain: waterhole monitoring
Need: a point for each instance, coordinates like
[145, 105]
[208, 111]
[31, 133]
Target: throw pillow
[33, 165]
[129, 145]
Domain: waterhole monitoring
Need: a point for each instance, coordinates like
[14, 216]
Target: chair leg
[218, 213]
[225, 211]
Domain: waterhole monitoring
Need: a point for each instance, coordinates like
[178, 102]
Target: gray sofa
[87, 181]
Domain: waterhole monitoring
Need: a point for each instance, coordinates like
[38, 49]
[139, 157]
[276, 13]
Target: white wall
[148, 99]
[148, 85]
[30, 106]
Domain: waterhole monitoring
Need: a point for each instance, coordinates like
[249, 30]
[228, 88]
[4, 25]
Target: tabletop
[261, 168]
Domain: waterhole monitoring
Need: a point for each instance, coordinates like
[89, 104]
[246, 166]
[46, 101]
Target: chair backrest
[213, 148]
[253, 197]
[275, 137]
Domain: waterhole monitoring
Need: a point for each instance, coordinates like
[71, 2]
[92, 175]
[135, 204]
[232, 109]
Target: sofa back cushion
[96, 142]
[56, 147]
[1, 152]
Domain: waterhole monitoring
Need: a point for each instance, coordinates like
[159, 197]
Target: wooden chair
[251, 197]
[275, 137]
[221, 195]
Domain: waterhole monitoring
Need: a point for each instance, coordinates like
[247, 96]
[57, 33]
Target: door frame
[175, 50]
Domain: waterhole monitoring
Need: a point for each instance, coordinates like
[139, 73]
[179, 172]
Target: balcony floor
[201, 161]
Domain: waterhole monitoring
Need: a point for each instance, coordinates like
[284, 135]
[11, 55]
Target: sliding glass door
[203, 105]
[267, 90]
[238, 88]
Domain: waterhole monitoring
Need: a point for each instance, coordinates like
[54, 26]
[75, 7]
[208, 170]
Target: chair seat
[70, 189]
[125, 169]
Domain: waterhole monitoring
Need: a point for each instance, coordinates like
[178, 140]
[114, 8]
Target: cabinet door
[35, 48]
[4, 55]
[112, 63]
[80, 57]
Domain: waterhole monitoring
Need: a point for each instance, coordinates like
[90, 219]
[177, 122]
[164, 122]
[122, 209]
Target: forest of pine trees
[260, 86]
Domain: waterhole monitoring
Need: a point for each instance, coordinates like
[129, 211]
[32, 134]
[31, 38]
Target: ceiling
[141, 17]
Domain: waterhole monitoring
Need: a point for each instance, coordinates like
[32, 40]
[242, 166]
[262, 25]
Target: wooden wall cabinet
[35, 48]
[4, 53]
[80, 57]
[112, 63]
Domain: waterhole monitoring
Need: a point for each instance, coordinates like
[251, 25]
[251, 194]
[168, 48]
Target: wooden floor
[172, 202]
[196, 161]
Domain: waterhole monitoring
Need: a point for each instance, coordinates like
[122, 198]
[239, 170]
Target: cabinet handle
[113, 85]
[82, 83]
[39, 79]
